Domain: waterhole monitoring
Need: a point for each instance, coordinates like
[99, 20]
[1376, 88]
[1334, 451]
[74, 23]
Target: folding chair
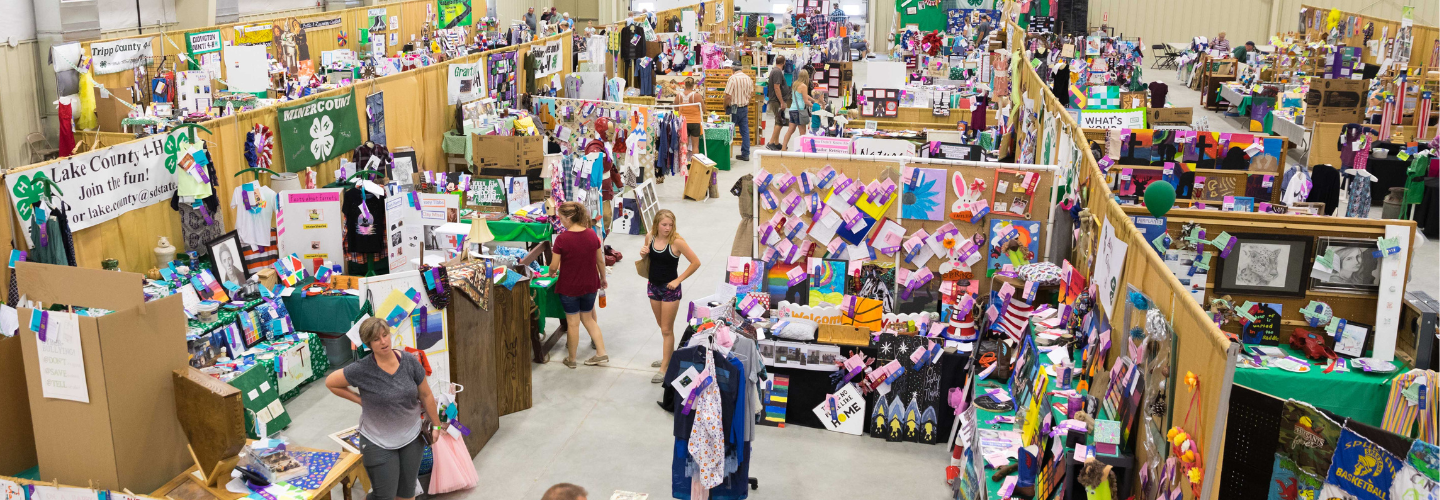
[1165, 56]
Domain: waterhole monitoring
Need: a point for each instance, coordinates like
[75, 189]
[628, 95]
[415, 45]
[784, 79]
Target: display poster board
[1113, 119]
[402, 233]
[310, 225]
[884, 147]
[437, 210]
[433, 328]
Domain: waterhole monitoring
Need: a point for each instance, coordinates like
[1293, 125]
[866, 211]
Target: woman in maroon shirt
[581, 277]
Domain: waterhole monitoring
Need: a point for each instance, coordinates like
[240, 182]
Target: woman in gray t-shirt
[391, 390]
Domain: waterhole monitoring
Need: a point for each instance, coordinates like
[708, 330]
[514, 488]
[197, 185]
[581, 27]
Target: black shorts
[692, 129]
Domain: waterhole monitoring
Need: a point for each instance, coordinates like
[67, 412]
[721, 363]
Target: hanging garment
[1358, 192]
[67, 130]
[48, 243]
[645, 75]
[1061, 85]
[1325, 187]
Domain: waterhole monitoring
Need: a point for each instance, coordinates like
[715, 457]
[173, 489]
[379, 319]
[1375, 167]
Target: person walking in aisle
[693, 113]
[800, 103]
[579, 261]
[664, 286]
[530, 20]
[391, 389]
[778, 102]
[739, 89]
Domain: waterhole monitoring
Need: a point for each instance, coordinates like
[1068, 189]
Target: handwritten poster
[62, 362]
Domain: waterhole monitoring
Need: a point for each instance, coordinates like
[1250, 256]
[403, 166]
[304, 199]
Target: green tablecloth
[331, 314]
[1352, 394]
[457, 144]
[510, 230]
[717, 144]
[547, 302]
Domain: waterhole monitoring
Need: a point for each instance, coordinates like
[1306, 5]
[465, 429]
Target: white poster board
[193, 89]
[247, 68]
[1113, 119]
[592, 84]
[547, 59]
[1390, 302]
[1109, 267]
[885, 74]
[62, 362]
[311, 225]
[435, 346]
[402, 233]
[884, 147]
[849, 412]
[298, 369]
[437, 210]
[465, 83]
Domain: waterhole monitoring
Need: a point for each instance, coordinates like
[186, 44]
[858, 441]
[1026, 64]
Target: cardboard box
[128, 435]
[1336, 100]
[16, 432]
[522, 152]
[1169, 116]
[697, 184]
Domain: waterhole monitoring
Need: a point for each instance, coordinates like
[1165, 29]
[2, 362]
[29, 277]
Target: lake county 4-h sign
[319, 130]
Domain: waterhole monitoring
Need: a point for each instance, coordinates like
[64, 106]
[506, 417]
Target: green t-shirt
[770, 30]
[1241, 54]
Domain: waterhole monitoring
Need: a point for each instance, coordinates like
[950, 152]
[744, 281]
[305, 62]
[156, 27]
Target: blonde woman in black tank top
[664, 246]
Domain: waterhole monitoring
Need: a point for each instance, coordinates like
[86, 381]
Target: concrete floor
[599, 428]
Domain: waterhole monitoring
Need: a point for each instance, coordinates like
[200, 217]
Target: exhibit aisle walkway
[599, 427]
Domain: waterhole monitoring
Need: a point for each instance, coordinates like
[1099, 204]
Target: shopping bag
[453, 470]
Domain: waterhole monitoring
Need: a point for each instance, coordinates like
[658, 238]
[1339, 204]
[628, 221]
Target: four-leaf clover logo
[172, 152]
[320, 131]
[27, 191]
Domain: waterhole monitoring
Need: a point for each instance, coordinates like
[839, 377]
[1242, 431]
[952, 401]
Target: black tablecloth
[1427, 213]
[808, 388]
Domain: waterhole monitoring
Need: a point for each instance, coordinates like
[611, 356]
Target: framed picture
[1356, 269]
[225, 251]
[1350, 341]
[1266, 264]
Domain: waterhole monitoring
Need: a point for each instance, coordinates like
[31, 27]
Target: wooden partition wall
[1202, 348]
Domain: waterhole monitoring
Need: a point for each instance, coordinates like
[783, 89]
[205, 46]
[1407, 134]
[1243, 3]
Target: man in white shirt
[739, 90]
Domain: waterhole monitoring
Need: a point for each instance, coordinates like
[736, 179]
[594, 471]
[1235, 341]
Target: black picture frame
[1344, 281]
[1266, 258]
[228, 247]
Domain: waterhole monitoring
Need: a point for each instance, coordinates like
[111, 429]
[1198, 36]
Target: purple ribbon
[204, 211]
[695, 395]
[44, 325]
[464, 431]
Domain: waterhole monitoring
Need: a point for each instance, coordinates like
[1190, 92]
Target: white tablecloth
[1229, 94]
[1293, 131]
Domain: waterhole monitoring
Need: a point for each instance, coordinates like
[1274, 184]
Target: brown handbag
[642, 266]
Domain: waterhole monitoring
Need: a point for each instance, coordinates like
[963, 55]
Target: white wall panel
[18, 23]
[19, 101]
[250, 7]
[122, 14]
[1242, 20]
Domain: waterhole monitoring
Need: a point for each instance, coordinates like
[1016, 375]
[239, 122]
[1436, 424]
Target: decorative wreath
[259, 145]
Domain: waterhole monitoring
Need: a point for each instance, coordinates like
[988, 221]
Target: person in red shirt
[582, 275]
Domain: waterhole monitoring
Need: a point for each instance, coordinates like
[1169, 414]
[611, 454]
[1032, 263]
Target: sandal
[659, 377]
[655, 364]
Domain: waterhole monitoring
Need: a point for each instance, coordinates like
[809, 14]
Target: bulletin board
[867, 168]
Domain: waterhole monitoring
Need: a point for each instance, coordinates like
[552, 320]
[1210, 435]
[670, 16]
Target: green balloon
[1159, 198]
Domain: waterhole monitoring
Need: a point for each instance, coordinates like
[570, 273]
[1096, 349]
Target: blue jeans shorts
[576, 305]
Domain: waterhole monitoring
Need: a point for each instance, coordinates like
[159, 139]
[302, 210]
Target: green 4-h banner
[318, 131]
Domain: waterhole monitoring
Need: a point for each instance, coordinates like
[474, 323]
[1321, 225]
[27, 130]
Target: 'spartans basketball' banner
[100, 185]
[319, 130]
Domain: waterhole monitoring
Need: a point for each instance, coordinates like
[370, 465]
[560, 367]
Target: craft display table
[1355, 394]
[189, 486]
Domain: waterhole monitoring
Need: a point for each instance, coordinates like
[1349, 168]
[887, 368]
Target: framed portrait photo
[229, 262]
[1266, 264]
[1356, 270]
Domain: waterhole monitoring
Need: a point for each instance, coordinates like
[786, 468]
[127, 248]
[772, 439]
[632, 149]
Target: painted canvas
[1191, 149]
[777, 284]
[924, 194]
[876, 280]
[1014, 242]
[827, 281]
